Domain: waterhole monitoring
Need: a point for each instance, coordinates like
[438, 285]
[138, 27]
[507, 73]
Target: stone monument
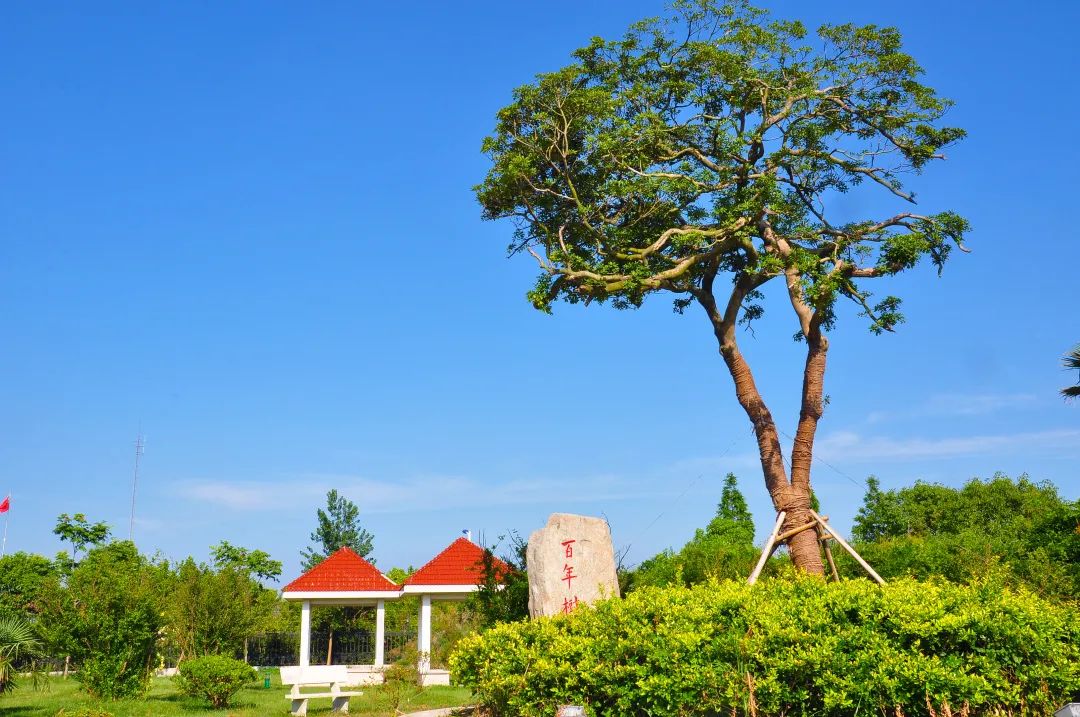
[570, 562]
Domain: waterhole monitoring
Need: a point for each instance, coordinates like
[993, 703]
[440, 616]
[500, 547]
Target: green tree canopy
[108, 617]
[22, 576]
[733, 524]
[503, 595]
[257, 563]
[701, 155]
[1018, 530]
[722, 550]
[338, 527]
[80, 532]
[213, 612]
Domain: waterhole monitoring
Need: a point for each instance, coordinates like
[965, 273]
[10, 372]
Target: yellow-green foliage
[785, 647]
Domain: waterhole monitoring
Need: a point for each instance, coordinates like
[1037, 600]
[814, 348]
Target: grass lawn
[164, 699]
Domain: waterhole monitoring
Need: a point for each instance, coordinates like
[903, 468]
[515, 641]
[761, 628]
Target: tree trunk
[330, 648]
[791, 496]
[805, 548]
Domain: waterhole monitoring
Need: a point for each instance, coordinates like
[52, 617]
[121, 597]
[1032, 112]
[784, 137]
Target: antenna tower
[139, 445]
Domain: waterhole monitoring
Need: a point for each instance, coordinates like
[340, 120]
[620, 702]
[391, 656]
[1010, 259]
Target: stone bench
[332, 676]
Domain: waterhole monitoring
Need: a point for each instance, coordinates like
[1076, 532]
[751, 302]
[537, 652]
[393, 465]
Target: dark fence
[355, 647]
[25, 663]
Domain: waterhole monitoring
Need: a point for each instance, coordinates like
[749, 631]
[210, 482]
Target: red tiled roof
[459, 564]
[344, 571]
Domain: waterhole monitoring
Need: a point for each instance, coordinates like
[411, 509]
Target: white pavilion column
[424, 641]
[305, 634]
[380, 633]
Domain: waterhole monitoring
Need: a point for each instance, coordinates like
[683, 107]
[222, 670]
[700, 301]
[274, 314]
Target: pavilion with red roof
[453, 574]
[345, 578]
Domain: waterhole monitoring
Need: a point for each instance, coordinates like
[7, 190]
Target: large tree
[701, 155]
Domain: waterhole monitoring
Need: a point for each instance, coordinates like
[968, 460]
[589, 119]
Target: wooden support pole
[795, 531]
[770, 544]
[843, 543]
[828, 554]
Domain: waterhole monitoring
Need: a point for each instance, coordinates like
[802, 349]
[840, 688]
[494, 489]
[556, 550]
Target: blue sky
[250, 229]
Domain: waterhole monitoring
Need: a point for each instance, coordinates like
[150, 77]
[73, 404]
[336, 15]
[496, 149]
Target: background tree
[214, 612]
[724, 549]
[879, 517]
[1015, 531]
[256, 563]
[263, 605]
[733, 522]
[108, 617]
[1071, 361]
[81, 533]
[338, 526]
[22, 576]
[503, 596]
[700, 155]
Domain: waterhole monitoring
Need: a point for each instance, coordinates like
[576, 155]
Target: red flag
[5, 506]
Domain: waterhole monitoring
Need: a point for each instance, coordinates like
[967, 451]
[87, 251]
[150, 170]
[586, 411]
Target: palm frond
[16, 636]
[1071, 362]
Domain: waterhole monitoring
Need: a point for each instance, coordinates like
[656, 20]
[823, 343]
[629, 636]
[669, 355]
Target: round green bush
[215, 677]
[794, 647]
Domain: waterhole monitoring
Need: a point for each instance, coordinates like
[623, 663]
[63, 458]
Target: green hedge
[785, 647]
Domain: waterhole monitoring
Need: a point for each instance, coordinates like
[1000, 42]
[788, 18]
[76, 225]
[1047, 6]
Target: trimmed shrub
[215, 677]
[785, 647]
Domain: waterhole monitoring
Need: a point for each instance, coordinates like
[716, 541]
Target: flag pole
[7, 517]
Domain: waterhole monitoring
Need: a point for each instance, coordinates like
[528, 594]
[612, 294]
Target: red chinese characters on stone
[571, 600]
[568, 575]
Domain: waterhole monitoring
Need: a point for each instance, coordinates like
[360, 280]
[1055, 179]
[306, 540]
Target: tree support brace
[824, 540]
[767, 551]
[858, 558]
[795, 531]
[825, 534]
